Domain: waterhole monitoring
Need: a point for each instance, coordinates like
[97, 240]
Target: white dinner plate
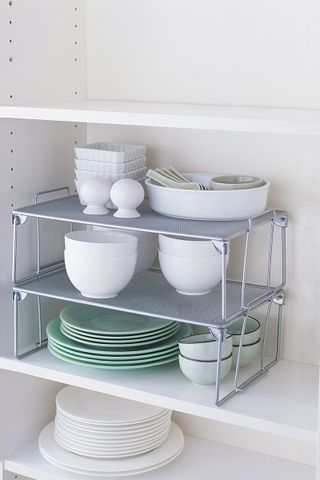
[101, 409]
[156, 458]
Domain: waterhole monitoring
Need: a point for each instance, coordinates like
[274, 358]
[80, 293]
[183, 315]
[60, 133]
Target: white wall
[248, 52]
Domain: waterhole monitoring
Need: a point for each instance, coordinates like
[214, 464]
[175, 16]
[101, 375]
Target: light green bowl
[202, 372]
[252, 332]
[235, 182]
[204, 346]
[248, 354]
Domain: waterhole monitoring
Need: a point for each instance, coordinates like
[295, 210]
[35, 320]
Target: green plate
[147, 356]
[109, 367]
[54, 333]
[110, 322]
[89, 359]
[107, 356]
[104, 343]
[116, 338]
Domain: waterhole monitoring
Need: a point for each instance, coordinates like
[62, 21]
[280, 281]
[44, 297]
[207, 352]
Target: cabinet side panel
[205, 51]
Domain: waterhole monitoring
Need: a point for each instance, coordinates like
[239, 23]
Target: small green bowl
[248, 354]
[251, 334]
[235, 182]
[204, 372]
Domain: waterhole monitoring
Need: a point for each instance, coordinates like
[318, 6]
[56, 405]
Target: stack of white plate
[103, 435]
[113, 340]
[110, 161]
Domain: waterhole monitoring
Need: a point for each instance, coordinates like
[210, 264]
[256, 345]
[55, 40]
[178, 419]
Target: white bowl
[204, 347]
[207, 204]
[203, 372]
[190, 275]
[110, 152]
[136, 174]
[147, 247]
[105, 167]
[187, 247]
[99, 277]
[100, 244]
[252, 332]
[248, 354]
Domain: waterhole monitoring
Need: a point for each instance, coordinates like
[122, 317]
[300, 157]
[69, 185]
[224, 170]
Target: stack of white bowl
[191, 266]
[109, 161]
[147, 247]
[198, 358]
[251, 341]
[104, 435]
[100, 263]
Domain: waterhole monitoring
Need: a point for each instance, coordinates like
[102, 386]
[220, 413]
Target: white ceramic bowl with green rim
[248, 354]
[204, 346]
[187, 247]
[252, 331]
[191, 275]
[235, 182]
[204, 372]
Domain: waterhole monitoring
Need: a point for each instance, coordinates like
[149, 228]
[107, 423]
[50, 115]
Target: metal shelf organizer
[228, 302]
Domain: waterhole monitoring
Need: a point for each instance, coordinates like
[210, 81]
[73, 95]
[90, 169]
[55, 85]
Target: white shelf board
[200, 459]
[284, 402]
[203, 117]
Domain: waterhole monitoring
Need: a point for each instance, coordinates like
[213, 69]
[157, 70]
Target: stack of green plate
[113, 340]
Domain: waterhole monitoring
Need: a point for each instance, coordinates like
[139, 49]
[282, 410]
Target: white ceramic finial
[127, 194]
[95, 192]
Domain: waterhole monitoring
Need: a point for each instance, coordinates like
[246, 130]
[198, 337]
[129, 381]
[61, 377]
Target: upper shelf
[200, 117]
[68, 209]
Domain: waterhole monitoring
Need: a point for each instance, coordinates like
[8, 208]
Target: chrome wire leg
[219, 335]
[244, 270]
[16, 324]
[243, 329]
[264, 338]
[39, 310]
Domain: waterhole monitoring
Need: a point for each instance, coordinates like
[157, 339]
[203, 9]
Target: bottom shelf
[200, 459]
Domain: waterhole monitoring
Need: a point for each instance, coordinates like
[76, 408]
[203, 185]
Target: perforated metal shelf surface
[69, 209]
[151, 295]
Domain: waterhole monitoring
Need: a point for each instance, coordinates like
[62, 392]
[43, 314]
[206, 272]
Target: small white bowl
[99, 277]
[204, 347]
[248, 354]
[147, 247]
[137, 174]
[191, 275]
[235, 182]
[187, 247]
[110, 152]
[252, 332]
[100, 244]
[203, 372]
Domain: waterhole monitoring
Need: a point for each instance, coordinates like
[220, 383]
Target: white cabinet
[82, 71]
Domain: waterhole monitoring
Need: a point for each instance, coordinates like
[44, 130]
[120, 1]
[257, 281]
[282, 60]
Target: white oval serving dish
[208, 204]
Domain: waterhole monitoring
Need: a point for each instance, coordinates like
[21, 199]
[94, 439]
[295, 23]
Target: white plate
[217, 205]
[110, 443]
[95, 452]
[115, 434]
[98, 408]
[60, 457]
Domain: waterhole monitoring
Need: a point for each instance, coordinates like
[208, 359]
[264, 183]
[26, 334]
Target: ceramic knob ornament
[95, 192]
[127, 194]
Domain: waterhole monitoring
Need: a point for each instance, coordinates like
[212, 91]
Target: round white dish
[147, 248]
[99, 277]
[191, 275]
[156, 458]
[204, 346]
[100, 243]
[187, 247]
[95, 407]
[208, 204]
